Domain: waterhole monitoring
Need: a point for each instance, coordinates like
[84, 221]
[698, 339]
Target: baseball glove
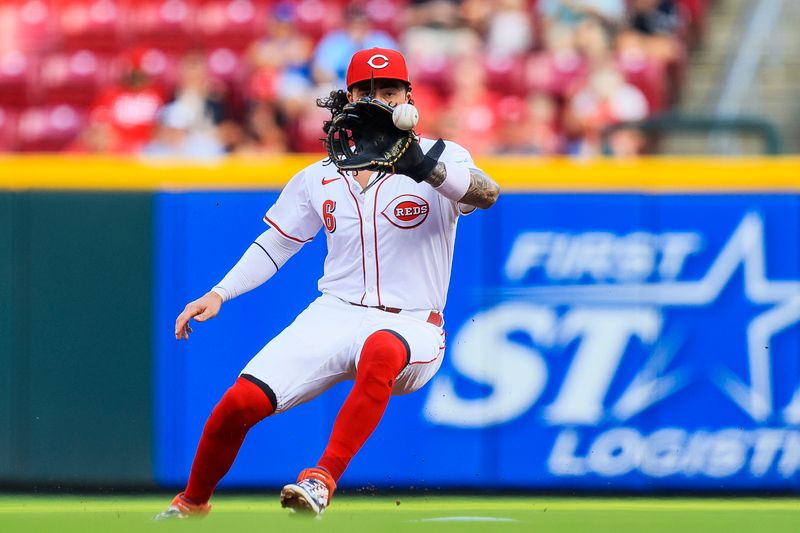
[363, 137]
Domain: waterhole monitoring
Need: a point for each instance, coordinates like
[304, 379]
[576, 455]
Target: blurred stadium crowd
[203, 78]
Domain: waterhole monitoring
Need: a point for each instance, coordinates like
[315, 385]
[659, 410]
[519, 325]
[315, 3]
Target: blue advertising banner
[595, 341]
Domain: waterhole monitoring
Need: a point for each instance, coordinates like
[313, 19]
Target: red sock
[383, 356]
[241, 407]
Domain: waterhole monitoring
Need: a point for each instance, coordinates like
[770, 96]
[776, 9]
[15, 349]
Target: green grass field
[354, 514]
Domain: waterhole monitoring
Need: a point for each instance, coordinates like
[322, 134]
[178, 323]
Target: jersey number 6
[328, 207]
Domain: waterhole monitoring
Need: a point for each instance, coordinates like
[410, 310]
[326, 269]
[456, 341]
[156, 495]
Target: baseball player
[378, 321]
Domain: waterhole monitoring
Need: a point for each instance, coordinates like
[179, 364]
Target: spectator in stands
[471, 112]
[654, 17]
[652, 35]
[277, 105]
[233, 137]
[560, 69]
[266, 129]
[626, 143]
[513, 137]
[305, 125]
[197, 94]
[528, 126]
[98, 136]
[594, 42]
[573, 12]
[475, 14]
[653, 26]
[509, 29]
[606, 100]
[283, 51]
[547, 56]
[436, 39]
[334, 51]
[131, 106]
[178, 137]
[543, 117]
[287, 98]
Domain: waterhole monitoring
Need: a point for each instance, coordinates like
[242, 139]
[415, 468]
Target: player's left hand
[201, 310]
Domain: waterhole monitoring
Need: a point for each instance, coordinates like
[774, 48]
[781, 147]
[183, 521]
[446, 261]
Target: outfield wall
[75, 337]
[610, 326]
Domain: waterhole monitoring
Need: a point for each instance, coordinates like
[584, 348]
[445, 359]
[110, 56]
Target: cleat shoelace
[317, 490]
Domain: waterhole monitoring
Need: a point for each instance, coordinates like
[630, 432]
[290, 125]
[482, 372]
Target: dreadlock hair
[334, 103]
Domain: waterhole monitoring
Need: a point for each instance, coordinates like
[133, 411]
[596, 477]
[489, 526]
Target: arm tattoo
[437, 175]
[482, 191]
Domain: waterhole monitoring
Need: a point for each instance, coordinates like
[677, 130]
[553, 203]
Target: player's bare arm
[202, 309]
[482, 192]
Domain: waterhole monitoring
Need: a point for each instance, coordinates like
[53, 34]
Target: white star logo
[745, 247]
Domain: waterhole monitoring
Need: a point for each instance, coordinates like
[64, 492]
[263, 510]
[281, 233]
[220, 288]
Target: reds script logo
[378, 61]
[406, 211]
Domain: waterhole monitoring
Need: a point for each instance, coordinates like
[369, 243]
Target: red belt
[433, 318]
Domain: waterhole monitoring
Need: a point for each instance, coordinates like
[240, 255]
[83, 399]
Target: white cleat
[309, 496]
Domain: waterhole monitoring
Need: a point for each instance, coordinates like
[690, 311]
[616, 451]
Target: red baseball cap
[380, 63]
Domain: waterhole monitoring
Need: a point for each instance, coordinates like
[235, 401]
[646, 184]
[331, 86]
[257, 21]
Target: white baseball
[405, 116]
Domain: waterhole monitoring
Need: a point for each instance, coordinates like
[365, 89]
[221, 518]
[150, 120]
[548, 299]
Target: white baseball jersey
[391, 246]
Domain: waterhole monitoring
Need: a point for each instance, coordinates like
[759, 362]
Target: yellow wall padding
[66, 172]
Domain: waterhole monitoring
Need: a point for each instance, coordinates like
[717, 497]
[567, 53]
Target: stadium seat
[35, 27]
[48, 128]
[73, 77]
[17, 71]
[306, 131]
[385, 15]
[163, 24]
[434, 72]
[505, 74]
[90, 24]
[314, 18]
[8, 125]
[557, 76]
[224, 64]
[511, 108]
[64, 51]
[230, 24]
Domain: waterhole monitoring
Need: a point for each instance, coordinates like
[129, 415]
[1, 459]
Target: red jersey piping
[274, 225]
